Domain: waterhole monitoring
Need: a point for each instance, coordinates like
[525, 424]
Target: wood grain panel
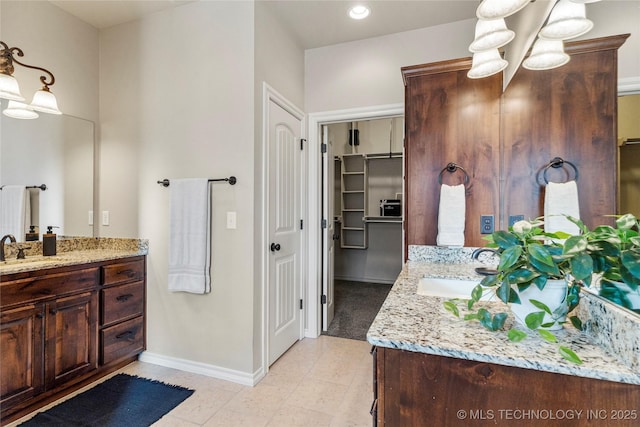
[568, 112]
[417, 389]
[450, 118]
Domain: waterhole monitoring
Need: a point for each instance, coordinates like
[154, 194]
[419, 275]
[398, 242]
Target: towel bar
[41, 187]
[558, 162]
[231, 180]
[451, 168]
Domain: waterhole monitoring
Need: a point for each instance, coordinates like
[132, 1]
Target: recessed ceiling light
[359, 12]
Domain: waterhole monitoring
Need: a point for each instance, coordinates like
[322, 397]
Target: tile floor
[319, 382]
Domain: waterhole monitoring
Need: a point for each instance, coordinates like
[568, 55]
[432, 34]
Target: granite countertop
[71, 251]
[418, 323]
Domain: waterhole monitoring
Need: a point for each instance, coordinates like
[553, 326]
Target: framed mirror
[56, 152]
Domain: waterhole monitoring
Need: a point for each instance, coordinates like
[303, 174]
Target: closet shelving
[353, 233]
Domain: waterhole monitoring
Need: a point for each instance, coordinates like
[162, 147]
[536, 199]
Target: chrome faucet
[478, 251]
[4, 238]
[484, 271]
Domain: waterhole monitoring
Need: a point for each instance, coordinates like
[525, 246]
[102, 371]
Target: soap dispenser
[32, 235]
[49, 242]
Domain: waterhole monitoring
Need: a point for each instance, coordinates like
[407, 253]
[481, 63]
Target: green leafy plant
[615, 255]
[530, 257]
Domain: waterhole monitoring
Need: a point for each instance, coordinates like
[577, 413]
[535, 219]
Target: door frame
[269, 94]
[314, 191]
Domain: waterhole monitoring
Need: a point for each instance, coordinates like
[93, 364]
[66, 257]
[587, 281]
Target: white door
[328, 177]
[284, 159]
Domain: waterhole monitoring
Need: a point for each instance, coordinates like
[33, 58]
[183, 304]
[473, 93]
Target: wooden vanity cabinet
[418, 389]
[62, 328]
[48, 332]
[122, 304]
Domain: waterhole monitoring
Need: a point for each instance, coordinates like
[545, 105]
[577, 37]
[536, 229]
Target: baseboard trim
[226, 374]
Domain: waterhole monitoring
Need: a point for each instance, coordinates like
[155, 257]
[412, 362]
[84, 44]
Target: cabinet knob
[53, 311]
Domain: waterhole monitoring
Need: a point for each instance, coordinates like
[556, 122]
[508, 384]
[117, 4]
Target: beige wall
[71, 54]
[177, 101]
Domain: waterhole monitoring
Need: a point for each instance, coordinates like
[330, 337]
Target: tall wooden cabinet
[504, 139]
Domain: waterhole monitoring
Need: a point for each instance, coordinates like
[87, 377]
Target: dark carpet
[121, 401]
[357, 304]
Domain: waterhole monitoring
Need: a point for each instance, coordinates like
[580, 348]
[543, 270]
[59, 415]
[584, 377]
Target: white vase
[553, 296]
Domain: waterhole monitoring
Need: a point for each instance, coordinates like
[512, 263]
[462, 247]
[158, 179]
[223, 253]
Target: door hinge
[323, 299]
[302, 141]
[302, 224]
[300, 303]
[324, 223]
[323, 148]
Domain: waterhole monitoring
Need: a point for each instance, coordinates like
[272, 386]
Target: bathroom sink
[450, 288]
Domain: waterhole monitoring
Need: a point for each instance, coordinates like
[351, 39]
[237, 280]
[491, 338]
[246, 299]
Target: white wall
[177, 101]
[367, 72]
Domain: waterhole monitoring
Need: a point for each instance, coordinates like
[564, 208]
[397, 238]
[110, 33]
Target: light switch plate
[90, 217]
[105, 217]
[231, 220]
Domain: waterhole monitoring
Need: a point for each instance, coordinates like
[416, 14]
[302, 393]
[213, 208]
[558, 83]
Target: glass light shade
[45, 101]
[496, 9]
[545, 55]
[18, 110]
[491, 34]
[9, 88]
[566, 21]
[486, 63]
[359, 12]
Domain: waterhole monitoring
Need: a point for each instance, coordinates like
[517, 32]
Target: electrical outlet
[105, 217]
[90, 217]
[486, 224]
[515, 218]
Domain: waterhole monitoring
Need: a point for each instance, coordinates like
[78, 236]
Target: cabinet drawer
[121, 302]
[38, 288]
[122, 272]
[122, 340]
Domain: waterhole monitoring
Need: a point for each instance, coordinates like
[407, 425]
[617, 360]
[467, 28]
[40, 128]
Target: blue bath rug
[122, 400]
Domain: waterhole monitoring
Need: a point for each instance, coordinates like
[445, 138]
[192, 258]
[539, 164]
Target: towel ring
[558, 162]
[451, 168]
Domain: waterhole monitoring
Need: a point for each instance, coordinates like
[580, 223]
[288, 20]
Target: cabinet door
[21, 359]
[72, 331]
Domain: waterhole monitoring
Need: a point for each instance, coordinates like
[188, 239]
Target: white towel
[561, 199]
[190, 236]
[15, 211]
[451, 215]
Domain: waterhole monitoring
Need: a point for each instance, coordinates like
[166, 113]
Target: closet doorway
[362, 203]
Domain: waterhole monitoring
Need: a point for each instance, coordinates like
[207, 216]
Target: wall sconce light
[486, 63]
[497, 9]
[566, 21]
[491, 34]
[545, 55]
[43, 100]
